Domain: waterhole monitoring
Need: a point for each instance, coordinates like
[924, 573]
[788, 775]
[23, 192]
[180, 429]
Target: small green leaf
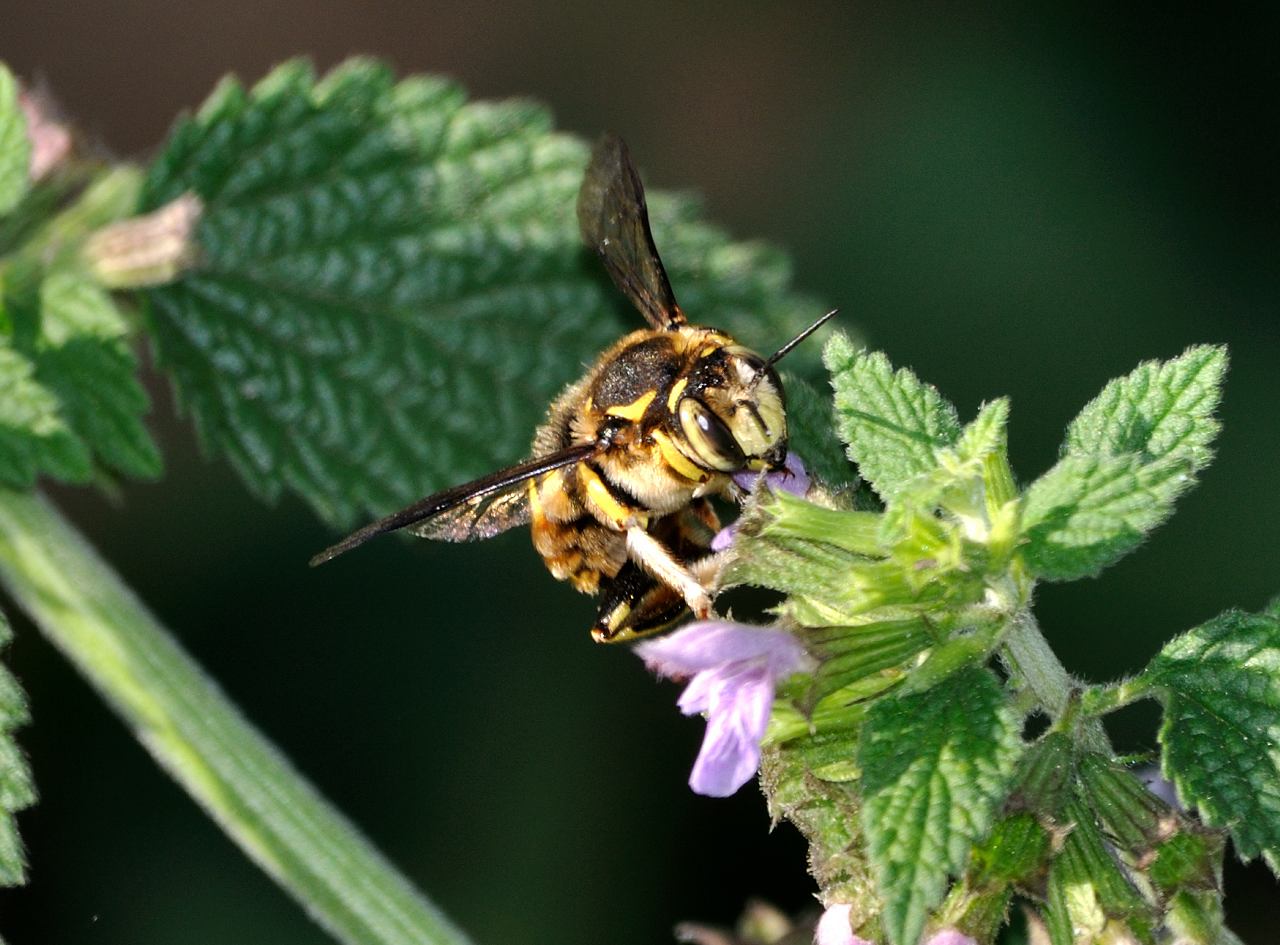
[892, 422]
[15, 148]
[936, 766]
[985, 433]
[84, 359]
[17, 790]
[391, 287]
[1088, 511]
[34, 437]
[1187, 859]
[1220, 684]
[1160, 410]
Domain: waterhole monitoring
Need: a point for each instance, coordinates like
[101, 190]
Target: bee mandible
[618, 487]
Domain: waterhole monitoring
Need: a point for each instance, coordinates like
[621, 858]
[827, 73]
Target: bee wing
[480, 516]
[614, 222]
[473, 510]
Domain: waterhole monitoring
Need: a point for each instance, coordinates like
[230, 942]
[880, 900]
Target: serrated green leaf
[391, 286]
[811, 419]
[1220, 684]
[15, 148]
[1160, 410]
[34, 437]
[17, 790]
[892, 422]
[936, 766]
[1088, 511]
[84, 359]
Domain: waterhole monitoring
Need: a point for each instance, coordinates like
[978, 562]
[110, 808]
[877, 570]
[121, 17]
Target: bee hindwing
[473, 510]
[478, 517]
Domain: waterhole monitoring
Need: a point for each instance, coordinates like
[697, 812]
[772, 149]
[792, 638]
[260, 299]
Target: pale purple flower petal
[733, 670]
[724, 538]
[794, 478]
[834, 928]
[951, 937]
[737, 714]
[711, 644]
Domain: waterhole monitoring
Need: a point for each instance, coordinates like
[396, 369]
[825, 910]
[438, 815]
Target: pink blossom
[951, 937]
[50, 141]
[793, 478]
[834, 928]
[735, 669]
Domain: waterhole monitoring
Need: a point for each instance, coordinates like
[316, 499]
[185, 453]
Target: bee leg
[707, 569]
[653, 557]
[633, 604]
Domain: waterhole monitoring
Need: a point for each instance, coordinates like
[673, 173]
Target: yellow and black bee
[617, 487]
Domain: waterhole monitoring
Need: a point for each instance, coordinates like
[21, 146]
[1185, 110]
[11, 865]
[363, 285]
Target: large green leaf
[391, 287]
[936, 766]
[1220, 684]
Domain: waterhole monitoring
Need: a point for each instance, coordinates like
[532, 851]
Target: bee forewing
[614, 221]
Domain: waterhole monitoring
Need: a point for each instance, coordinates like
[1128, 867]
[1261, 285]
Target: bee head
[732, 414]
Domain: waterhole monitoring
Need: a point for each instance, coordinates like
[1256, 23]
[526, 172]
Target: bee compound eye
[712, 442]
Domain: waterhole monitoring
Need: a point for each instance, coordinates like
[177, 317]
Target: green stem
[1099, 700]
[202, 740]
[1031, 660]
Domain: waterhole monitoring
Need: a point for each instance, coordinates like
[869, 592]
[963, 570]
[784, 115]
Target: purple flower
[793, 478]
[735, 669]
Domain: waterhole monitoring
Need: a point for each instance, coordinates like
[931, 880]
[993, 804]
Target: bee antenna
[787, 348]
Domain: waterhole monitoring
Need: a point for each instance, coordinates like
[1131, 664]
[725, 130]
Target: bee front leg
[651, 555]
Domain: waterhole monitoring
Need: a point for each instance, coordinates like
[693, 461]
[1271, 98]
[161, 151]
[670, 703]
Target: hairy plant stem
[196, 734]
[1029, 658]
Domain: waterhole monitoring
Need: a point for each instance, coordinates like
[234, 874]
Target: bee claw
[699, 602]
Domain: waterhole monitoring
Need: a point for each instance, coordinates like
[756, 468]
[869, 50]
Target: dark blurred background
[1021, 203]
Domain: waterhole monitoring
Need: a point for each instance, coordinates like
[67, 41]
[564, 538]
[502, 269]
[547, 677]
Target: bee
[617, 492]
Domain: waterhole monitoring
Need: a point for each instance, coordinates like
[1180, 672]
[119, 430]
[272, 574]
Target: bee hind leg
[653, 556]
[633, 604]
